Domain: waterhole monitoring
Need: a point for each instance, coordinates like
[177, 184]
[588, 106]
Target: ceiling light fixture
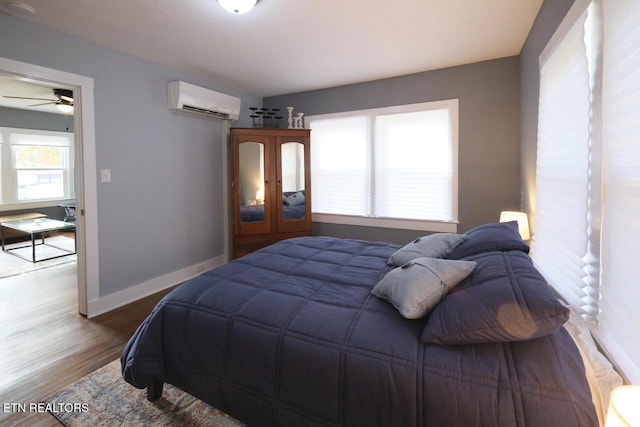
[19, 8]
[64, 107]
[238, 6]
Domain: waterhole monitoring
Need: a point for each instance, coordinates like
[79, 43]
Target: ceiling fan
[64, 101]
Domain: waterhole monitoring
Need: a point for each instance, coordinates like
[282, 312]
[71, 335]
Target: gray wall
[163, 210]
[25, 119]
[489, 150]
[549, 17]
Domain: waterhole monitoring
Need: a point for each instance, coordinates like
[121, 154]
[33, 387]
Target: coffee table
[35, 227]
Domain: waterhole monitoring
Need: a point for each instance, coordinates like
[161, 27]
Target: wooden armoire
[270, 186]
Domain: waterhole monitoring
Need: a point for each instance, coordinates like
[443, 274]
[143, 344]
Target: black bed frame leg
[154, 391]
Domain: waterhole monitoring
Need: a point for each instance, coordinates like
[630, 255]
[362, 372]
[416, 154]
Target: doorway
[85, 168]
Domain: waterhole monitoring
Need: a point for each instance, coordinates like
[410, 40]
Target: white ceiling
[286, 46]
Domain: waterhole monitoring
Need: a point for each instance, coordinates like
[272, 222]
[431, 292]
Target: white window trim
[398, 223]
[395, 223]
[86, 173]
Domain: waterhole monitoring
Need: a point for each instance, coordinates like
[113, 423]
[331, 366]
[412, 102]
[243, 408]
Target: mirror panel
[251, 171]
[293, 180]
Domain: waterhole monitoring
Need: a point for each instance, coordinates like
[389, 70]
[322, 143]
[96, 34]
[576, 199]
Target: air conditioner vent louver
[195, 99]
[205, 112]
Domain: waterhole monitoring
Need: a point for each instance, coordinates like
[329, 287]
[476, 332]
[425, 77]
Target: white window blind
[393, 165]
[339, 165]
[413, 166]
[619, 320]
[565, 243]
[590, 118]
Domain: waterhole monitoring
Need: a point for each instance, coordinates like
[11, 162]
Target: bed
[255, 213]
[319, 331]
[293, 207]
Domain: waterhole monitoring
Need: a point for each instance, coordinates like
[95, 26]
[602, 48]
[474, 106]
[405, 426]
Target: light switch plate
[105, 175]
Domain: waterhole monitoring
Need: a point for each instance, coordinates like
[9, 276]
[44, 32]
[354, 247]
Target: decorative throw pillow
[416, 287]
[294, 199]
[506, 299]
[500, 236]
[437, 245]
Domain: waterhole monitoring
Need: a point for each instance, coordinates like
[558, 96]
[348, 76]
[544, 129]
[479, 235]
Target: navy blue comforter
[291, 336]
[256, 213]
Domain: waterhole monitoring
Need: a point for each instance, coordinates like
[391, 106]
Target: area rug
[11, 265]
[103, 398]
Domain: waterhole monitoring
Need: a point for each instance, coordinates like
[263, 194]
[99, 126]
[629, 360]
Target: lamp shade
[238, 6]
[624, 407]
[521, 218]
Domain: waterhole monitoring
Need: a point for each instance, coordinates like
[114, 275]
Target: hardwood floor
[46, 344]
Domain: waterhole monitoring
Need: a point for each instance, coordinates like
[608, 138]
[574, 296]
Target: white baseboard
[118, 299]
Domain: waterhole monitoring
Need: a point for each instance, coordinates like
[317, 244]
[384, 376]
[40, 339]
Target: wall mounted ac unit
[187, 97]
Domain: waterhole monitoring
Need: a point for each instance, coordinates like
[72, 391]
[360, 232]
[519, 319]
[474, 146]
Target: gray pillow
[416, 287]
[437, 245]
[294, 199]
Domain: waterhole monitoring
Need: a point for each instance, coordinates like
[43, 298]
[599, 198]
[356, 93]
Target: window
[566, 155]
[391, 167]
[619, 319]
[588, 172]
[36, 166]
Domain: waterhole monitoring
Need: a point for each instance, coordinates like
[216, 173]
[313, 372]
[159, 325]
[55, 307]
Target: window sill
[34, 205]
[403, 224]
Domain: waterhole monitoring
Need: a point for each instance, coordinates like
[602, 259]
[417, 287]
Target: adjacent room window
[588, 172]
[390, 167]
[36, 166]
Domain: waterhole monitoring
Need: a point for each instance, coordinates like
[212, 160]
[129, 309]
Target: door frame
[86, 172]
